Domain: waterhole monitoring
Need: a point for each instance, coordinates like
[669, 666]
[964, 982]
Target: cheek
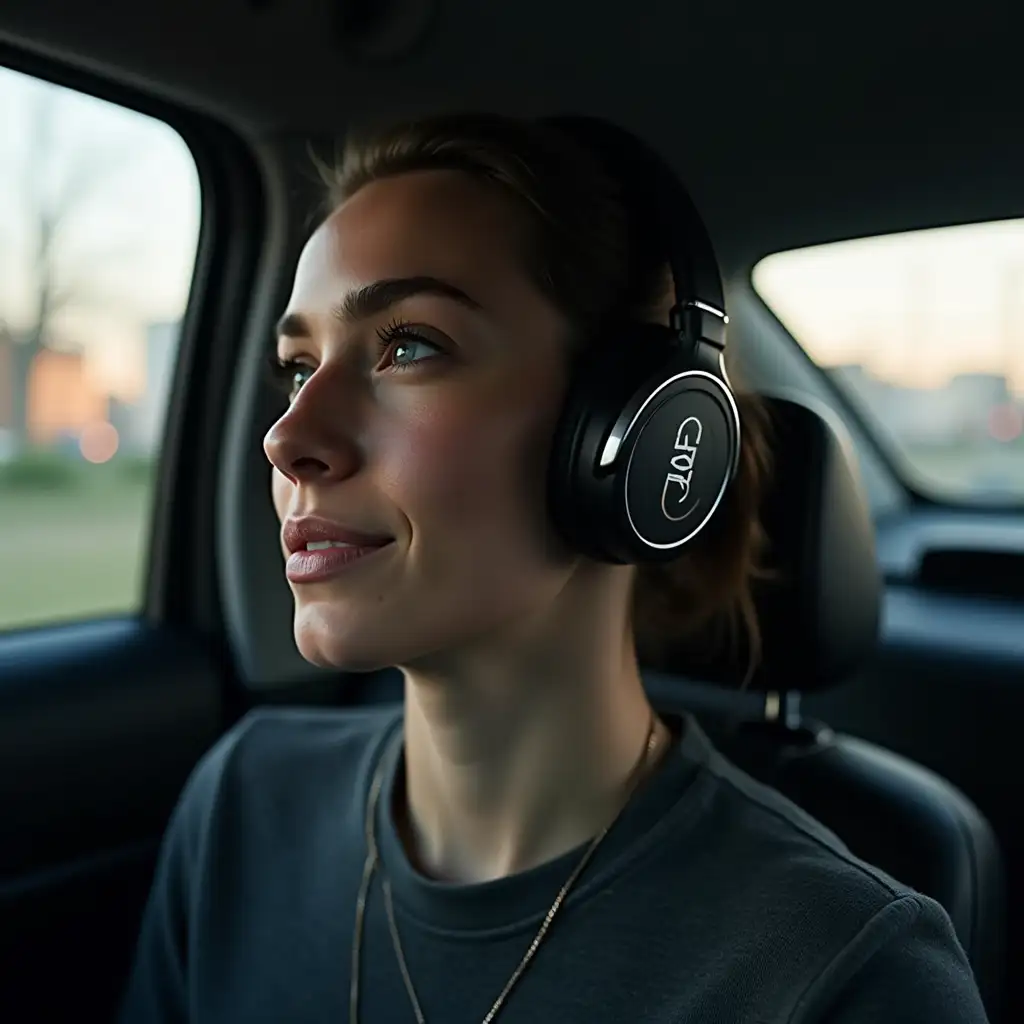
[473, 467]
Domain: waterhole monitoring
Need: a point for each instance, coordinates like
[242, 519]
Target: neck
[522, 749]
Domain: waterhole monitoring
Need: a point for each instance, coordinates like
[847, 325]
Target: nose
[316, 439]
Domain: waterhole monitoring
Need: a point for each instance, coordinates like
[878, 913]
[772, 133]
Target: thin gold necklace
[372, 862]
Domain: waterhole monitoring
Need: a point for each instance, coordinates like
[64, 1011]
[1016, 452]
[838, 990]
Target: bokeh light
[98, 442]
[1006, 423]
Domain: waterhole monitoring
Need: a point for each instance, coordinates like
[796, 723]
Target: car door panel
[101, 725]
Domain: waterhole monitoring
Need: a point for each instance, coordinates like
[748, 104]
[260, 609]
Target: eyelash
[400, 330]
[282, 371]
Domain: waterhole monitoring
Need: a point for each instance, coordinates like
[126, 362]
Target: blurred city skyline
[916, 309]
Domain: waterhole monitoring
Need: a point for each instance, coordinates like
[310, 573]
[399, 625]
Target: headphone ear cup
[677, 463]
[640, 463]
[605, 378]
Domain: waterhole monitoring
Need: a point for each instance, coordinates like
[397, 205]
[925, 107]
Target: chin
[350, 636]
[328, 639]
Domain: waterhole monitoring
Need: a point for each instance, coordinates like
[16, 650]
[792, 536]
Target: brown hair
[592, 255]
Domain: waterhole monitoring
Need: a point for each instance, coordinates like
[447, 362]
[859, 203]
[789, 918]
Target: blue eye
[299, 377]
[288, 376]
[408, 352]
[406, 346]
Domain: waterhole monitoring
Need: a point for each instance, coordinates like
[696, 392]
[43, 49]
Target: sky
[128, 242]
[914, 309]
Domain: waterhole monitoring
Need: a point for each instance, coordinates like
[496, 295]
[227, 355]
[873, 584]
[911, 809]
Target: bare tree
[58, 280]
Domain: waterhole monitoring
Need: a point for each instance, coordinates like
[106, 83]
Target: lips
[298, 534]
[320, 549]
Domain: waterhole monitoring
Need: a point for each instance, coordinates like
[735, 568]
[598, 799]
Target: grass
[73, 553]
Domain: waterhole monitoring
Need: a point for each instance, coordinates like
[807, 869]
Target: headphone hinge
[699, 323]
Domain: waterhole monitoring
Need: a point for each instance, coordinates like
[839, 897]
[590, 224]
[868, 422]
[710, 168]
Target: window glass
[925, 331]
[99, 221]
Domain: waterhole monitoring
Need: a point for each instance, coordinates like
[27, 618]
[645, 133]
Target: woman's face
[428, 374]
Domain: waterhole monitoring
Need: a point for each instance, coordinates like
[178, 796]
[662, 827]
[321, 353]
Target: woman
[527, 839]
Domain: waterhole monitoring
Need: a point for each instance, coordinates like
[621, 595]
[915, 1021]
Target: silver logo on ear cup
[675, 492]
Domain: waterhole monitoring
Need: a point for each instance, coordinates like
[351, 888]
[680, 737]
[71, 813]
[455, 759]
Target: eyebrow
[376, 298]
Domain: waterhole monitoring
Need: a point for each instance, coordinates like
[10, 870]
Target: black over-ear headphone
[649, 437]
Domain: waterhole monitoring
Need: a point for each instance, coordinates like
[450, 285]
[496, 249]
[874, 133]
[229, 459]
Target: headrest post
[791, 709]
[783, 707]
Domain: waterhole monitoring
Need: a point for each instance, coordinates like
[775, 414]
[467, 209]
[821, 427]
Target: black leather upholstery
[820, 612]
[820, 622]
[819, 608]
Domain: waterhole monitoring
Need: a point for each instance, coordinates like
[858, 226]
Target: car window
[99, 222]
[925, 332]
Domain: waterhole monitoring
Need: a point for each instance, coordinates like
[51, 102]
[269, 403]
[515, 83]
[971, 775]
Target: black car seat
[820, 614]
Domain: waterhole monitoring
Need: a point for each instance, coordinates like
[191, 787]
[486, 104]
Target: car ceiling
[792, 123]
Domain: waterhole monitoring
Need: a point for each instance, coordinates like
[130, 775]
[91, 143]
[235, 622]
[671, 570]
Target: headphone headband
[656, 194]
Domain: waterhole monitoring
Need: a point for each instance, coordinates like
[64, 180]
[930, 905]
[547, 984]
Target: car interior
[890, 695]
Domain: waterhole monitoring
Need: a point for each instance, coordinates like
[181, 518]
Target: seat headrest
[819, 609]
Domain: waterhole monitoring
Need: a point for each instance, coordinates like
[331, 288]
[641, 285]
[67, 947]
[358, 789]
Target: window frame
[914, 485]
[180, 585]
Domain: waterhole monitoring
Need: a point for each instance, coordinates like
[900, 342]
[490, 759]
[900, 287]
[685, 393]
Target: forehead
[442, 224]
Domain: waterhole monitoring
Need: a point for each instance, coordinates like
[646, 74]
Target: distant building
[957, 412]
[6, 378]
[140, 424]
[125, 419]
[62, 397]
[8, 443]
[991, 388]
